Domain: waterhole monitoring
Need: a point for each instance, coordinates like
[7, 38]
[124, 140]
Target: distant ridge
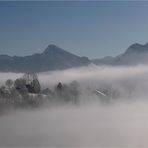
[53, 58]
[134, 55]
[56, 58]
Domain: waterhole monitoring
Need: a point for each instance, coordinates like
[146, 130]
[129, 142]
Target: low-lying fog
[121, 123]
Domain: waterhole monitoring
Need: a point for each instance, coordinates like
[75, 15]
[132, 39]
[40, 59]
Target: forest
[26, 91]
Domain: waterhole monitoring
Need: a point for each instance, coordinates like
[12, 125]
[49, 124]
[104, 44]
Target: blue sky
[94, 29]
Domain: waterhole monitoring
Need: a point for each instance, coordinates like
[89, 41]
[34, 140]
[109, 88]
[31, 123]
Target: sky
[85, 28]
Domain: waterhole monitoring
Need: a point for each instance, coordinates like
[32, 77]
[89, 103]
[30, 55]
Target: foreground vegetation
[27, 92]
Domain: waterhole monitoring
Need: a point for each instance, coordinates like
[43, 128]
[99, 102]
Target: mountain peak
[134, 46]
[135, 54]
[53, 58]
[138, 48]
[52, 48]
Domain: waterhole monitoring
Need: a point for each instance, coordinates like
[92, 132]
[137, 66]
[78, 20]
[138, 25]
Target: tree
[32, 83]
[20, 85]
[36, 86]
[29, 77]
[9, 83]
[59, 86]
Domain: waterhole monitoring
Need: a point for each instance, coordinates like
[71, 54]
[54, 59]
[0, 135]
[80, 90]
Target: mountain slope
[53, 58]
[135, 54]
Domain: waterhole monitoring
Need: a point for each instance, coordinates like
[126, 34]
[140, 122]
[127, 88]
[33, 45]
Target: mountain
[135, 54]
[53, 58]
[56, 58]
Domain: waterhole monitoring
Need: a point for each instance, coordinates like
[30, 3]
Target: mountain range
[53, 58]
[56, 58]
[134, 55]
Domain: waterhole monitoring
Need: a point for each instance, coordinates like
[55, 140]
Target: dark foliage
[26, 92]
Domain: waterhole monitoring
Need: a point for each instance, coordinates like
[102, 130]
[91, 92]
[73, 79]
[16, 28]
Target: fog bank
[121, 123]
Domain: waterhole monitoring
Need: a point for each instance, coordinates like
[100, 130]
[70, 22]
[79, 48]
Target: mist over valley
[118, 119]
[74, 74]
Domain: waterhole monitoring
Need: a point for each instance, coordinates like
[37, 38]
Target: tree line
[27, 92]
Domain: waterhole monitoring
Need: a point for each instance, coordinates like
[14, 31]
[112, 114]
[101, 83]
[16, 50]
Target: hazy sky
[93, 29]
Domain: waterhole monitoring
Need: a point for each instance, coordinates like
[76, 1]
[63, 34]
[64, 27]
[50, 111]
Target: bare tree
[29, 77]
